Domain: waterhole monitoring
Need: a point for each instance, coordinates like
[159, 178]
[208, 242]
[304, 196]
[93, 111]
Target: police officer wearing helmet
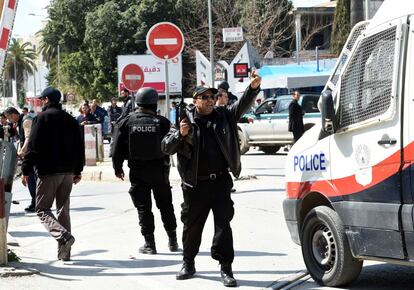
[138, 140]
[223, 88]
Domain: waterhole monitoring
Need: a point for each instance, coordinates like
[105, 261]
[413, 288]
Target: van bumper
[290, 210]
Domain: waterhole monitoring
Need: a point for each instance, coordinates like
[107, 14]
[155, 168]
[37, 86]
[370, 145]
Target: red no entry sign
[132, 77]
[165, 40]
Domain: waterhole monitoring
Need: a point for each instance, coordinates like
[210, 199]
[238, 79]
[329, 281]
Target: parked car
[267, 125]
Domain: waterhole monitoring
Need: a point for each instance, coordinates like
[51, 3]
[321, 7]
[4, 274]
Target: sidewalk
[103, 171]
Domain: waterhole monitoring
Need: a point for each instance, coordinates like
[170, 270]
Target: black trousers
[296, 135]
[198, 201]
[155, 179]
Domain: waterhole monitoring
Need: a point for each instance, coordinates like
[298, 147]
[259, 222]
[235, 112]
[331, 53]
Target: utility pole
[210, 29]
[58, 65]
[34, 76]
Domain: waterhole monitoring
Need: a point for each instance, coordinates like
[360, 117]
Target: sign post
[165, 41]
[133, 78]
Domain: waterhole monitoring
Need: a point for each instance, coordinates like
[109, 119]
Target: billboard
[154, 72]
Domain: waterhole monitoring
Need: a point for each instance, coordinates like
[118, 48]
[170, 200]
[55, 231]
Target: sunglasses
[206, 97]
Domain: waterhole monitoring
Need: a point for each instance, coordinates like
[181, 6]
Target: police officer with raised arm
[138, 139]
[207, 147]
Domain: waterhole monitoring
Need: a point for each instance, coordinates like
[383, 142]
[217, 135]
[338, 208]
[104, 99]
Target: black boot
[172, 241]
[187, 271]
[227, 275]
[149, 246]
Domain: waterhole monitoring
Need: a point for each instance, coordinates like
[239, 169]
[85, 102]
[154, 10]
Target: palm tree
[19, 62]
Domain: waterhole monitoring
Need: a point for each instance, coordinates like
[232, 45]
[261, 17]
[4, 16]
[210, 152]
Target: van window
[310, 104]
[366, 84]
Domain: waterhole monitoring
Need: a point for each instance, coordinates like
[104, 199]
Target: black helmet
[224, 85]
[146, 96]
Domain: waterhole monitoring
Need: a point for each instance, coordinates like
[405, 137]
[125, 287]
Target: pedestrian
[24, 124]
[209, 133]
[224, 87]
[99, 112]
[86, 117]
[222, 99]
[296, 117]
[101, 116]
[114, 111]
[6, 125]
[173, 113]
[57, 152]
[138, 139]
[127, 106]
[25, 111]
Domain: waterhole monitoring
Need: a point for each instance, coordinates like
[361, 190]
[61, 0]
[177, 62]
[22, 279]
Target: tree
[19, 63]
[341, 26]
[269, 25]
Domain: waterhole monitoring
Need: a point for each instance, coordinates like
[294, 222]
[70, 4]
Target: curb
[289, 281]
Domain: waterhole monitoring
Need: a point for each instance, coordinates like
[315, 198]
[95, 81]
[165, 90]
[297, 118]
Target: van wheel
[270, 150]
[244, 147]
[326, 250]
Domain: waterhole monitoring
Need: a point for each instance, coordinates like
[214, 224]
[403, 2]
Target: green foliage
[12, 257]
[19, 64]
[341, 26]
[92, 33]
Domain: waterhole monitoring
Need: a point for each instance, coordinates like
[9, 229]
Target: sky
[26, 25]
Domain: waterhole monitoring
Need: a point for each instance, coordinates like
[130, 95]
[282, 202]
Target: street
[105, 254]
[105, 224]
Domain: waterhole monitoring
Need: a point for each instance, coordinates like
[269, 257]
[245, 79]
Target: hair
[125, 90]
[25, 108]
[11, 110]
[113, 99]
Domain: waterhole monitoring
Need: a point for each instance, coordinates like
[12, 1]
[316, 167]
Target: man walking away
[209, 133]
[296, 117]
[56, 151]
[138, 139]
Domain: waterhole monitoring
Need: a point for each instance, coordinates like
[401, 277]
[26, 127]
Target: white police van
[350, 180]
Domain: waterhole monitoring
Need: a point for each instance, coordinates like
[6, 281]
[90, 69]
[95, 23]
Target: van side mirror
[328, 112]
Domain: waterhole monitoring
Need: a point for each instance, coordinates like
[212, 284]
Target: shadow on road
[26, 234]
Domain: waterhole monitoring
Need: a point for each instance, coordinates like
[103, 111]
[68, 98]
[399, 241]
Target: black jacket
[225, 129]
[120, 145]
[296, 117]
[55, 144]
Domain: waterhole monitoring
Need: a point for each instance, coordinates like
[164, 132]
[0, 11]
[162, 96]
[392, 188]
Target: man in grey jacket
[207, 148]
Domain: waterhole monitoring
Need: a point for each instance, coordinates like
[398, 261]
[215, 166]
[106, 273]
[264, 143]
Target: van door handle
[387, 142]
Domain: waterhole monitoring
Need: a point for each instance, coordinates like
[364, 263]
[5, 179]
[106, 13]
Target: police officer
[138, 139]
[209, 133]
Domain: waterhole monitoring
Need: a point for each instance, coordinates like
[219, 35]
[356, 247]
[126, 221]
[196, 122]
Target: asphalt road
[105, 224]
[106, 256]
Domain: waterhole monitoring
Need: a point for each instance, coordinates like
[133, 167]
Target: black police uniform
[296, 120]
[138, 139]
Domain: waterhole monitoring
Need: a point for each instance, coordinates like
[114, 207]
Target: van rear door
[366, 158]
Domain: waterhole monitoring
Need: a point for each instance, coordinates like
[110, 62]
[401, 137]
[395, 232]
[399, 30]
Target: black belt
[211, 176]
